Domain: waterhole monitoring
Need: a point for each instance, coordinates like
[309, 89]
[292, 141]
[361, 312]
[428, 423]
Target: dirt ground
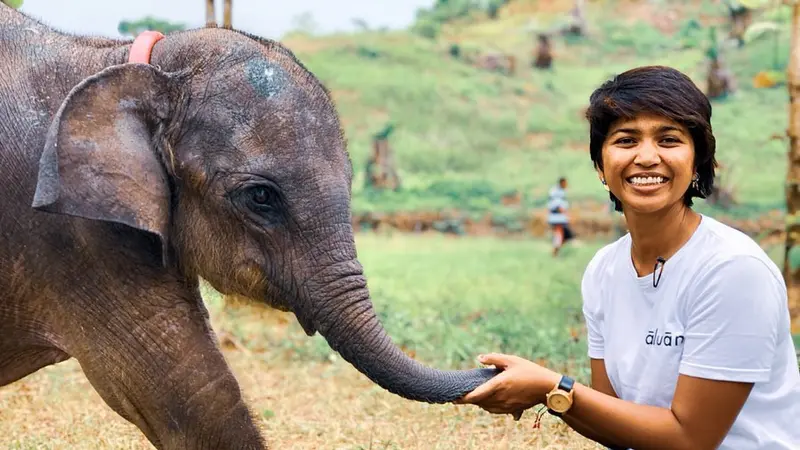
[589, 220]
[300, 406]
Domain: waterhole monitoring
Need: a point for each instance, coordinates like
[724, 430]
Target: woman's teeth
[643, 181]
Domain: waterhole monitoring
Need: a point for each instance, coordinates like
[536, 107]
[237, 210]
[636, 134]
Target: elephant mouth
[307, 323]
[281, 299]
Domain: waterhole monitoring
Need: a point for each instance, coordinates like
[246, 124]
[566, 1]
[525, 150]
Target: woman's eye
[671, 140]
[625, 141]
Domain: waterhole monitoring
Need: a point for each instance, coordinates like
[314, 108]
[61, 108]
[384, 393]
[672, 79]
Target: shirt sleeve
[732, 322]
[593, 312]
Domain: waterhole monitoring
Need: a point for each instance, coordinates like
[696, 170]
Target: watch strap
[565, 384]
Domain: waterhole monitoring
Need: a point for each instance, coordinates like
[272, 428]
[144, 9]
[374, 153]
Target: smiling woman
[687, 318]
[628, 134]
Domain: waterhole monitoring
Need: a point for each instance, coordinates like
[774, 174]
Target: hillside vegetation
[465, 136]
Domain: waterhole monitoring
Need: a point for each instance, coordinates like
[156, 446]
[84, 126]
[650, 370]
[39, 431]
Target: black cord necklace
[659, 260]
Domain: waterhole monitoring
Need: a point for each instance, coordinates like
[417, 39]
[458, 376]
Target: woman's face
[648, 163]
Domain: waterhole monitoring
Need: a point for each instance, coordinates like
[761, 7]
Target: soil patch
[588, 221]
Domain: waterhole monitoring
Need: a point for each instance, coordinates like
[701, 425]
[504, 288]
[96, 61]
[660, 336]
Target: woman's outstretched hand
[522, 384]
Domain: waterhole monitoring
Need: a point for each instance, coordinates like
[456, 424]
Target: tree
[381, 169]
[720, 80]
[544, 52]
[791, 256]
[791, 265]
[493, 7]
[211, 15]
[133, 28]
[13, 3]
[226, 14]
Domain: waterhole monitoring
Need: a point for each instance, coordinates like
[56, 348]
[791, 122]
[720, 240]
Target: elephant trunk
[344, 315]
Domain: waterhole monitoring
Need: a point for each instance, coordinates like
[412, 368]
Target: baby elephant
[130, 169]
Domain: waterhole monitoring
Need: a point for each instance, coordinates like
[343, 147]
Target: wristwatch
[559, 400]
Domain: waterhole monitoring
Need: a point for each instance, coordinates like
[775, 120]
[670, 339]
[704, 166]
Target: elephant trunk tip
[430, 385]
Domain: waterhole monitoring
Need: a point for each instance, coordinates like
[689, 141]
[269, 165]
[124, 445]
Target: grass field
[444, 300]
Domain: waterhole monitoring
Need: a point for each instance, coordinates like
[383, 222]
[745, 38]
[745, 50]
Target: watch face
[559, 402]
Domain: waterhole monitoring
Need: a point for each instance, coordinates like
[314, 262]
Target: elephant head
[229, 153]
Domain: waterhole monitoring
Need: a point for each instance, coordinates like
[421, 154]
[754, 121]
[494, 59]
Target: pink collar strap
[143, 46]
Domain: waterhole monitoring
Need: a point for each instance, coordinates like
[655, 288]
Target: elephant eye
[260, 195]
[262, 198]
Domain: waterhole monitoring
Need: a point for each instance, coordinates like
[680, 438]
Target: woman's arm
[600, 383]
[702, 410]
[702, 413]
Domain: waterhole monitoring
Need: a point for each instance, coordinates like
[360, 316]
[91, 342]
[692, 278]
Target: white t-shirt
[720, 311]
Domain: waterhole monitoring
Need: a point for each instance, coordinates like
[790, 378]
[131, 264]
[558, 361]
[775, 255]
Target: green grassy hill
[464, 136]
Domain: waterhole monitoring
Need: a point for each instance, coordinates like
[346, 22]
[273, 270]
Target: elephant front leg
[154, 361]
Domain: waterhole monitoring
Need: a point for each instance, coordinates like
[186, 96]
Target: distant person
[557, 218]
[688, 323]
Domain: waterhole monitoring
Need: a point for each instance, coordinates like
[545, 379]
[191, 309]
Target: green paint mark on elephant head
[267, 78]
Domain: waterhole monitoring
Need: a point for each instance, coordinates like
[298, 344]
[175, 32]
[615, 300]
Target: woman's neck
[659, 234]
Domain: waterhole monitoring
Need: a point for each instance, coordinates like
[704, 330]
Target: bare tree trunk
[544, 53]
[381, 168]
[792, 274]
[226, 14]
[720, 79]
[211, 16]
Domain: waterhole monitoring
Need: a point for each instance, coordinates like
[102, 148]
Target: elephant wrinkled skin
[123, 184]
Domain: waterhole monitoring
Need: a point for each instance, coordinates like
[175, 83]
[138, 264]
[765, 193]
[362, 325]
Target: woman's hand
[521, 385]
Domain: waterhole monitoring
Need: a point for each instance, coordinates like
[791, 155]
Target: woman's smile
[647, 183]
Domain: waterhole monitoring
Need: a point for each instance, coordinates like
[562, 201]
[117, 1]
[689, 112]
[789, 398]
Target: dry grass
[301, 405]
[305, 399]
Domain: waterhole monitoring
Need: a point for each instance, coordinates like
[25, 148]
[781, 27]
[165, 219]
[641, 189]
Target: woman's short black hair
[656, 90]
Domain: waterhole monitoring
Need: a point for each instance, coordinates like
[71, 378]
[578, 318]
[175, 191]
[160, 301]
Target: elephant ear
[101, 160]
